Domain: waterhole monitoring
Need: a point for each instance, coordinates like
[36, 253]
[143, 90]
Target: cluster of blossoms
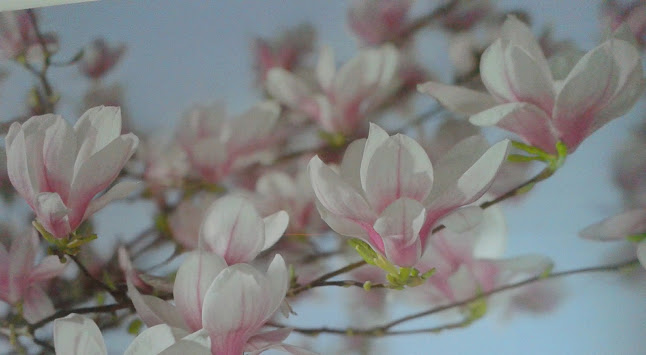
[254, 222]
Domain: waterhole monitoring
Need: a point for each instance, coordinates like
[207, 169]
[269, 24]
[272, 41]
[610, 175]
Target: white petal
[275, 226]
[52, 214]
[233, 229]
[155, 339]
[286, 87]
[463, 219]
[458, 99]
[641, 253]
[466, 172]
[336, 195]
[625, 224]
[376, 137]
[78, 335]
[399, 168]
[119, 191]
[326, 68]
[519, 34]
[153, 310]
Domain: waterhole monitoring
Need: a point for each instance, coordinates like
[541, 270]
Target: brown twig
[384, 329]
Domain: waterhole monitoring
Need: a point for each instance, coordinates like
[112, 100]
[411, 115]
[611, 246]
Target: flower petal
[153, 310]
[287, 87]
[155, 339]
[193, 278]
[458, 99]
[233, 229]
[399, 226]
[78, 335]
[275, 226]
[119, 191]
[526, 120]
[625, 224]
[399, 168]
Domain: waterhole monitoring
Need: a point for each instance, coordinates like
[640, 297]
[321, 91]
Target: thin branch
[83, 310]
[117, 294]
[385, 329]
[320, 281]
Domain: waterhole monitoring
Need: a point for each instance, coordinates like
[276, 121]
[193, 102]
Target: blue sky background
[185, 52]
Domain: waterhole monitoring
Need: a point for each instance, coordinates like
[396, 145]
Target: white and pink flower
[388, 193]
[378, 21]
[631, 223]
[18, 37]
[233, 229]
[99, 58]
[20, 278]
[287, 51]
[58, 169]
[526, 98]
[217, 145]
[224, 307]
[343, 98]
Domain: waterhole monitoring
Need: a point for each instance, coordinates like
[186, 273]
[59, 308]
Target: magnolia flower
[286, 51]
[278, 191]
[18, 37]
[230, 305]
[99, 58]
[344, 97]
[388, 193]
[526, 98]
[78, 335]
[217, 146]
[378, 21]
[58, 168]
[233, 229]
[468, 263]
[20, 278]
[629, 224]
[165, 163]
[632, 14]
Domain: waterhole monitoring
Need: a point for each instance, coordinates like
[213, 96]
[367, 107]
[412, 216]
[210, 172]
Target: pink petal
[526, 120]
[59, 153]
[49, 268]
[36, 305]
[458, 99]
[399, 226]
[612, 71]
[625, 224]
[236, 305]
[98, 172]
[52, 214]
[194, 277]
